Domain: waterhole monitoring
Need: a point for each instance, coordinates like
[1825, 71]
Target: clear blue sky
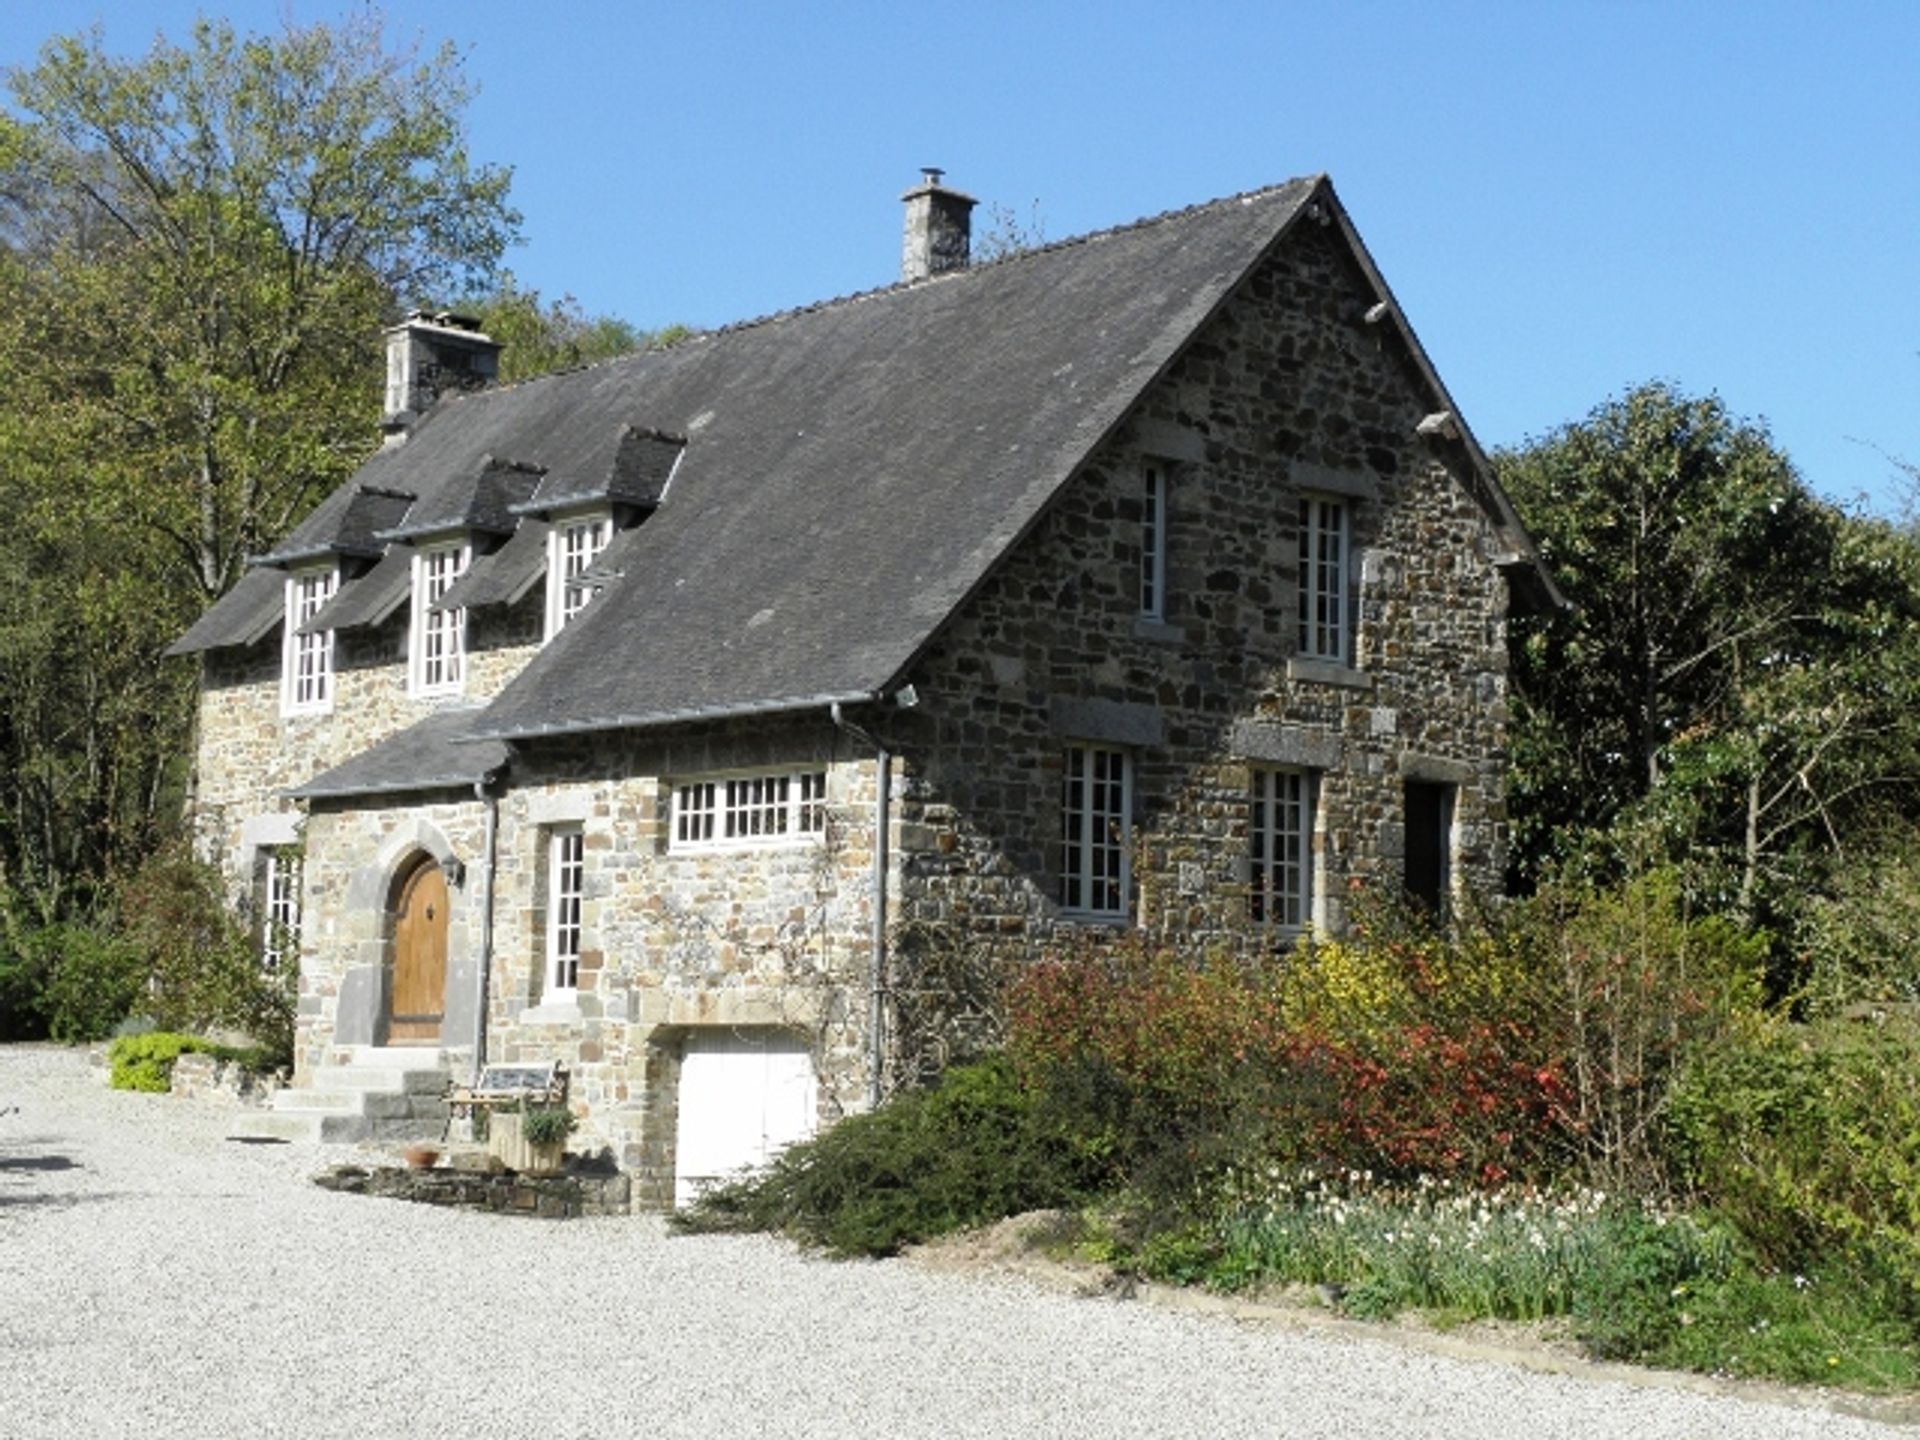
[1567, 198]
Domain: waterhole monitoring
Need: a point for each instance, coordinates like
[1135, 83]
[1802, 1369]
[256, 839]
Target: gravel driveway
[158, 1280]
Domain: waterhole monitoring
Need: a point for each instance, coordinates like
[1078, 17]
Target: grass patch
[1663, 1288]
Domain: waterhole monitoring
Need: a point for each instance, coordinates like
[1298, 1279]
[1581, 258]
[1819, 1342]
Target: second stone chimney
[939, 228]
[429, 355]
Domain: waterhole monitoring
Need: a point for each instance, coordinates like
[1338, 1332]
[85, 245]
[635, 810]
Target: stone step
[379, 1077]
[293, 1101]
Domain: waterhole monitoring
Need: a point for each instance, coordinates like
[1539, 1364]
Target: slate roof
[347, 522]
[242, 616]
[504, 575]
[851, 471]
[437, 753]
[643, 463]
[367, 599]
[482, 497]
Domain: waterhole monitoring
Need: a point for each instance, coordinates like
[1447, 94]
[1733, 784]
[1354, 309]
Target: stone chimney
[430, 355]
[939, 228]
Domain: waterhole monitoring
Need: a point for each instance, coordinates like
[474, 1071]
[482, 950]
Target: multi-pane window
[306, 675]
[566, 852]
[1153, 544]
[572, 548]
[439, 636]
[279, 908]
[1324, 625]
[746, 809]
[1094, 836]
[1280, 845]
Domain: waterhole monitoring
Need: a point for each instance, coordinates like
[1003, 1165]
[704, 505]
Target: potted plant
[533, 1138]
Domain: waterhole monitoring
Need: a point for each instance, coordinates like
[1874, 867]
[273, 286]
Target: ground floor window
[279, 907]
[748, 809]
[1095, 830]
[566, 871]
[1280, 846]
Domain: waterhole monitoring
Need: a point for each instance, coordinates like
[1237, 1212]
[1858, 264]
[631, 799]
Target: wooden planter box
[516, 1152]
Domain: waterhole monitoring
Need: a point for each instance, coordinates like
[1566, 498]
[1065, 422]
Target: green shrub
[1808, 1137]
[92, 979]
[971, 1149]
[145, 1061]
[205, 971]
[1859, 936]
[546, 1124]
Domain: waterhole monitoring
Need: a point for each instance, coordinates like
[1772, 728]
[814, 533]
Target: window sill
[1158, 632]
[563, 1009]
[751, 842]
[1328, 672]
[1097, 919]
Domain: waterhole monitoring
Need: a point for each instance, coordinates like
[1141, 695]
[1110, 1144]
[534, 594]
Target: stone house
[658, 716]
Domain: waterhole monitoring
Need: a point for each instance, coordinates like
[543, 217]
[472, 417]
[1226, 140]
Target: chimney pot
[939, 228]
[428, 355]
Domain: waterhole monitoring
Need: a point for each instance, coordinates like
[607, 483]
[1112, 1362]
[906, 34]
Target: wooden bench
[508, 1087]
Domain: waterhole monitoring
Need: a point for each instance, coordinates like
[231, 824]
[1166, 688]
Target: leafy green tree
[1740, 669]
[198, 247]
[538, 337]
[201, 245]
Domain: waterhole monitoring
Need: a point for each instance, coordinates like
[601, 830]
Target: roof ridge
[854, 297]
[1240, 197]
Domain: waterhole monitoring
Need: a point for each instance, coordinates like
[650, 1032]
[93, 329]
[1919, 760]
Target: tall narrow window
[1324, 626]
[566, 853]
[306, 673]
[572, 547]
[1095, 831]
[439, 637]
[1153, 544]
[1280, 845]
[279, 908]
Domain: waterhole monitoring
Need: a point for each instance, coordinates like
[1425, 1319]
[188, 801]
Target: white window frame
[306, 661]
[279, 907]
[437, 639]
[1153, 542]
[754, 808]
[572, 547]
[566, 897]
[1280, 825]
[1326, 589]
[1096, 832]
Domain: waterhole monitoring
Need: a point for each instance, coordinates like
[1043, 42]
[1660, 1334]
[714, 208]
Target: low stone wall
[558, 1197]
[199, 1076]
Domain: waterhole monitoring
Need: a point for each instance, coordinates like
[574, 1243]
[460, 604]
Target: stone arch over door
[416, 985]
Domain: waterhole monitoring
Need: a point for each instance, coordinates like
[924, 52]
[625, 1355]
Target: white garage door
[745, 1095]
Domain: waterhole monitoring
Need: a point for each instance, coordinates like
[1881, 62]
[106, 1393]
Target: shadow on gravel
[38, 1162]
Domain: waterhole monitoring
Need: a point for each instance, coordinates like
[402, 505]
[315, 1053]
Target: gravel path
[157, 1280]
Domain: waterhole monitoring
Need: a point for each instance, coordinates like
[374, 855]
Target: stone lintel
[1117, 722]
[1280, 744]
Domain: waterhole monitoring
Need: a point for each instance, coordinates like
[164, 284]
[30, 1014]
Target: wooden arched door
[418, 998]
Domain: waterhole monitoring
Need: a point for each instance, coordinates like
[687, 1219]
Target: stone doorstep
[378, 1093]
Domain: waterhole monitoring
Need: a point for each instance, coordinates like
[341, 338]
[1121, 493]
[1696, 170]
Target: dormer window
[306, 660]
[437, 639]
[572, 547]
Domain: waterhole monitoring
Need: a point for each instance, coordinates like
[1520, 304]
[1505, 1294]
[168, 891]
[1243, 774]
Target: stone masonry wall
[249, 753]
[1286, 389]
[762, 937]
